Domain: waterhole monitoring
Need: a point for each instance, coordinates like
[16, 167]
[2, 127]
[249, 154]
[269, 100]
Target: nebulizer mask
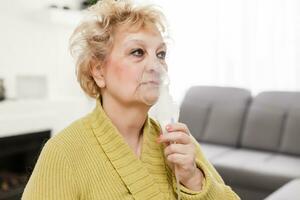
[165, 110]
[155, 83]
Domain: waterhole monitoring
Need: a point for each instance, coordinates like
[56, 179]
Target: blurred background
[250, 44]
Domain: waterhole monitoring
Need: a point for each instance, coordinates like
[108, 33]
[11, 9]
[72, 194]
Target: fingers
[179, 134]
[182, 160]
[180, 151]
[179, 127]
[176, 148]
[178, 137]
[182, 154]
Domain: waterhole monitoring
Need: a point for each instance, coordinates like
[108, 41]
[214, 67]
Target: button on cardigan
[90, 160]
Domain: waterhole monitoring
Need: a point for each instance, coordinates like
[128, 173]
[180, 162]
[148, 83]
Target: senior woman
[117, 151]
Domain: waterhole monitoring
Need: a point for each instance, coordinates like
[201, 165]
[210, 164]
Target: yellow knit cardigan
[90, 160]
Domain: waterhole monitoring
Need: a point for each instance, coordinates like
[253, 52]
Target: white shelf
[26, 116]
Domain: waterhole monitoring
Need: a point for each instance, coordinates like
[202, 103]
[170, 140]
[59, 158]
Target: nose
[156, 70]
[155, 66]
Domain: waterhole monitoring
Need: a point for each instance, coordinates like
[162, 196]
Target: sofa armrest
[290, 191]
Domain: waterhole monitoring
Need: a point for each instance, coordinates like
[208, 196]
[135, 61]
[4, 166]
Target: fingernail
[168, 128]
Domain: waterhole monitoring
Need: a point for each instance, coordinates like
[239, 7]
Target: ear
[98, 74]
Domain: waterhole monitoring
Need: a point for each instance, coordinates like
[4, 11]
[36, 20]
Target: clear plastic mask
[152, 83]
[165, 109]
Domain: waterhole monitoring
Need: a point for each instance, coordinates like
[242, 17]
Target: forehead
[149, 35]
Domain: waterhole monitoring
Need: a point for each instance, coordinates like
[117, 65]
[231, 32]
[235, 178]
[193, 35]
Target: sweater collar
[131, 170]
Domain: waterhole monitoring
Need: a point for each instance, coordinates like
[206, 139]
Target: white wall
[253, 44]
[244, 43]
[32, 44]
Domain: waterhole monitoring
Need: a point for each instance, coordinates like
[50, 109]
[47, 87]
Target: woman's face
[133, 68]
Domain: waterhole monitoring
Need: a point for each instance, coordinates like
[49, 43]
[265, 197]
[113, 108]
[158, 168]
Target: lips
[154, 82]
[151, 80]
[151, 83]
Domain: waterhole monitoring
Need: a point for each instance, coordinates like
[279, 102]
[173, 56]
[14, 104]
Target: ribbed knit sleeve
[213, 188]
[52, 177]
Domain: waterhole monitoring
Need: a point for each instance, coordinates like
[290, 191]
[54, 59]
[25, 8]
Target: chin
[149, 95]
[150, 99]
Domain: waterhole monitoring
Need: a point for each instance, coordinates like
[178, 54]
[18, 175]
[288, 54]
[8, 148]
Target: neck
[129, 119]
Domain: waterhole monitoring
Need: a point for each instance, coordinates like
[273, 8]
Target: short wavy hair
[93, 38]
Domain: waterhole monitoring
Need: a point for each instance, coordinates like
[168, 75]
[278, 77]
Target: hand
[181, 151]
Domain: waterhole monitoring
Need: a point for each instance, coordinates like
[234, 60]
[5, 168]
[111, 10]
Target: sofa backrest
[215, 114]
[273, 122]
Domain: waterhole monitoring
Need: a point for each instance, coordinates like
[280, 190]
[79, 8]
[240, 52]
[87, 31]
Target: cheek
[127, 75]
[123, 73]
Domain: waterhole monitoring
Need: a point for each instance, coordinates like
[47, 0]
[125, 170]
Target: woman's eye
[161, 55]
[137, 52]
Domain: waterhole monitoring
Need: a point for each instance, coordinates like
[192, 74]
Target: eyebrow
[163, 44]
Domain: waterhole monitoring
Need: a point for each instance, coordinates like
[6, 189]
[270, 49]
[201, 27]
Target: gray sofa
[291, 190]
[254, 142]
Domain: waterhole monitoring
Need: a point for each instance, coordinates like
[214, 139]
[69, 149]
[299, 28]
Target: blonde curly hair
[92, 40]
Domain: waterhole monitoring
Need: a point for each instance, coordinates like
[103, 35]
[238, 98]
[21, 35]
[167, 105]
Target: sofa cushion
[224, 123]
[277, 98]
[291, 136]
[291, 190]
[281, 164]
[215, 114]
[267, 119]
[257, 169]
[194, 115]
[263, 128]
[212, 151]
